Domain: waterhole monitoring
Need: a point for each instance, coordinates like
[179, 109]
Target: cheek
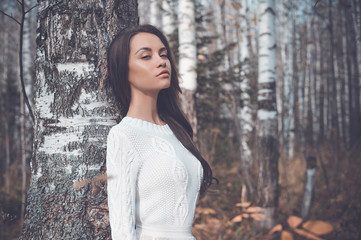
[137, 72]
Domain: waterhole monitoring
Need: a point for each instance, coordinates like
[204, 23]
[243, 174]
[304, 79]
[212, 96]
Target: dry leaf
[236, 5]
[276, 228]
[254, 20]
[245, 215]
[201, 57]
[254, 209]
[237, 219]
[306, 234]
[294, 221]
[206, 211]
[285, 235]
[101, 178]
[80, 184]
[243, 204]
[318, 227]
[258, 216]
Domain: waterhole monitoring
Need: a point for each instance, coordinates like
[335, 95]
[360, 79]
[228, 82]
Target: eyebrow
[149, 49]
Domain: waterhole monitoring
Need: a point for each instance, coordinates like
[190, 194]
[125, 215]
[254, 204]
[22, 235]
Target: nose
[162, 62]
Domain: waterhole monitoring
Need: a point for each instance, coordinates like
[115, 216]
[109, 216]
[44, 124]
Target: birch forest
[270, 87]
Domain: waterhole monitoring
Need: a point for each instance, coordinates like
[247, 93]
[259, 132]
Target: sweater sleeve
[120, 193]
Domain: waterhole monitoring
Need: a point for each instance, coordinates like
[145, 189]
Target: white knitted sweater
[153, 182]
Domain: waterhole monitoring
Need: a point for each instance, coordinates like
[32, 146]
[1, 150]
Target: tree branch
[23, 13]
[31, 8]
[1, 11]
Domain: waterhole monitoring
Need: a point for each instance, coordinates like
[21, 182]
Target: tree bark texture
[155, 17]
[267, 139]
[168, 18]
[188, 60]
[188, 106]
[309, 186]
[74, 110]
[245, 118]
[3, 117]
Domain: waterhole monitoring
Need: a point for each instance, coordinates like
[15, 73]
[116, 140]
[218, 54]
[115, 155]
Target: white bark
[310, 176]
[187, 45]
[168, 18]
[73, 116]
[267, 139]
[245, 114]
[267, 43]
[155, 13]
[188, 60]
[288, 90]
[143, 11]
[309, 186]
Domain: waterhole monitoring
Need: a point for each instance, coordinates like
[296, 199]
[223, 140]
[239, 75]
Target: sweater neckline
[145, 125]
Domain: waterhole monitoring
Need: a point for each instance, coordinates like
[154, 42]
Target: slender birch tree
[168, 17]
[72, 118]
[25, 122]
[246, 120]
[3, 89]
[267, 139]
[155, 13]
[188, 60]
[288, 75]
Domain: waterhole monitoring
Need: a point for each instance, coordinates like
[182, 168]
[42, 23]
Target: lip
[164, 72]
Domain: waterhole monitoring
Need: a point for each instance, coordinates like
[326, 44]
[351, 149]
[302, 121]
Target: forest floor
[336, 200]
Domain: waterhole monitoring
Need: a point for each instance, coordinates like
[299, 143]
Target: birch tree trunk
[288, 86]
[267, 139]
[25, 124]
[155, 19]
[335, 132]
[246, 121]
[4, 119]
[316, 81]
[168, 18]
[73, 117]
[354, 67]
[308, 63]
[280, 58]
[188, 60]
[22, 155]
[341, 83]
[309, 184]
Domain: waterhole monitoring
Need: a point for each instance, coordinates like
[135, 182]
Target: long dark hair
[168, 99]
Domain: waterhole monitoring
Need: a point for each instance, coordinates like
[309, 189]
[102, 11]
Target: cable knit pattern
[153, 182]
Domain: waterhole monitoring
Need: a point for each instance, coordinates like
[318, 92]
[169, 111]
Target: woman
[155, 171]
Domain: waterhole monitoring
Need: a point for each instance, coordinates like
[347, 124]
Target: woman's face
[149, 66]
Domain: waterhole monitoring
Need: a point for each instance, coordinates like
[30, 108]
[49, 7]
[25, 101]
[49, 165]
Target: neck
[144, 106]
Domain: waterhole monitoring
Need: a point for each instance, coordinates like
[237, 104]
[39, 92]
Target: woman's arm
[120, 194]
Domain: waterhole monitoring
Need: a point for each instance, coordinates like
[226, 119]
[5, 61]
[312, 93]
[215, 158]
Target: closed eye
[145, 57]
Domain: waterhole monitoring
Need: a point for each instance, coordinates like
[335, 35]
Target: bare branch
[31, 8]
[316, 3]
[1, 11]
[27, 100]
[19, 2]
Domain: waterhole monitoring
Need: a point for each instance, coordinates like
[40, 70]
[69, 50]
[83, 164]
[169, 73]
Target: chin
[165, 85]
